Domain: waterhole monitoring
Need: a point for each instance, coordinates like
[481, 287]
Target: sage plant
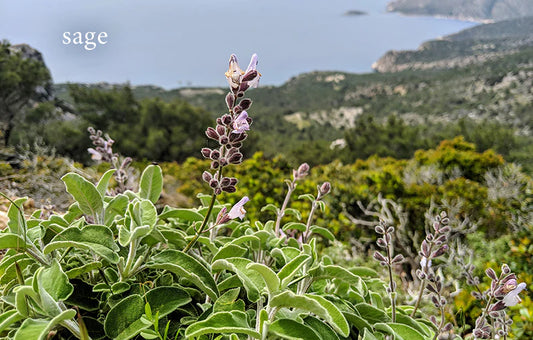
[433, 246]
[302, 172]
[388, 259]
[502, 293]
[229, 133]
[103, 152]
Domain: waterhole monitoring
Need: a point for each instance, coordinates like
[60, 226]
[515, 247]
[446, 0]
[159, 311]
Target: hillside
[322, 107]
[476, 10]
[474, 45]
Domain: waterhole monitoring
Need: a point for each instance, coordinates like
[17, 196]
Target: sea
[176, 43]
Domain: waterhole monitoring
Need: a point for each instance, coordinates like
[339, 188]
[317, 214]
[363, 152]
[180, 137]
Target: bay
[187, 43]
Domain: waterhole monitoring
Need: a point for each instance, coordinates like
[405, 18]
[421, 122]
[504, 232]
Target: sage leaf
[151, 183]
[90, 201]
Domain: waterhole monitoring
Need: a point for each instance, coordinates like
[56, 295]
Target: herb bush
[114, 266]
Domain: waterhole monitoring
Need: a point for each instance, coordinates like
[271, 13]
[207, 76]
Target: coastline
[445, 17]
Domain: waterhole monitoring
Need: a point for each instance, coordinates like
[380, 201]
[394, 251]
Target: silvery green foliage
[113, 266]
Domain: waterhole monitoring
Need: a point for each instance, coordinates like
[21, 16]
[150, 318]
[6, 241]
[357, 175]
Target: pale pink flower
[241, 123]
[424, 261]
[512, 298]
[95, 155]
[238, 209]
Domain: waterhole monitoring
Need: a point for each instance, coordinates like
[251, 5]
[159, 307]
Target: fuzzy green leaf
[116, 207]
[124, 320]
[291, 269]
[321, 329]
[400, 331]
[165, 300]
[186, 266]
[16, 220]
[94, 238]
[11, 241]
[104, 181]
[38, 329]
[251, 280]
[55, 282]
[229, 250]
[315, 304]
[188, 215]
[322, 232]
[222, 323]
[85, 193]
[372, 314]
[272, 281]
[151, 183]
[293, 330]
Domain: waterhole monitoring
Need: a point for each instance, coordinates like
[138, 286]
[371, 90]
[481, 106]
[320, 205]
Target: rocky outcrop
[42, 93]
[472, 10]
[471, 46]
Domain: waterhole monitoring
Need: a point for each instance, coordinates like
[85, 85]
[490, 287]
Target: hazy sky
[174, 43]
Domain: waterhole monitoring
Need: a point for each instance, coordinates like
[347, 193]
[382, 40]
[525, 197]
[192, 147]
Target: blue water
[174, 43]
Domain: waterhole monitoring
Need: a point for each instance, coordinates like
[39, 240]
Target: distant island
[472, 10]
[355, 12]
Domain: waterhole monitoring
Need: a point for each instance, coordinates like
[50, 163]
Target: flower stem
[202, 227]
[391, 284]
[281, 213]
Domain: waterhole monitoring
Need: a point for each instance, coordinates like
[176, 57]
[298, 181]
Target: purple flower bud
[324, 189]
[381, 243]
[217, 191]
[215, 155]
[221, 130]
[242, 88]
[237, 145]
[211, 133]
[398, 258]
[245, 103]
[230, 100]
[215, 164]
[505, 269]
[223, 140]
[379, 229]
[206, 152]
[491, 273]
[219, 121]
[379, 257]
[497, 306]
[237, 109]
[229, 189]
[206, 176]
[439, 251]
[233, 181]
[223, 161]
[236, 158]
[425, 248]
[433, 320]
[390, 230]
[249, 76]
[213, 183]
[226, 119]
[237, 137]
[225, 182]
[445, 230]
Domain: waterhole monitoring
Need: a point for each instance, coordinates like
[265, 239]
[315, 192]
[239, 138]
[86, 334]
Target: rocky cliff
[471, 46]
